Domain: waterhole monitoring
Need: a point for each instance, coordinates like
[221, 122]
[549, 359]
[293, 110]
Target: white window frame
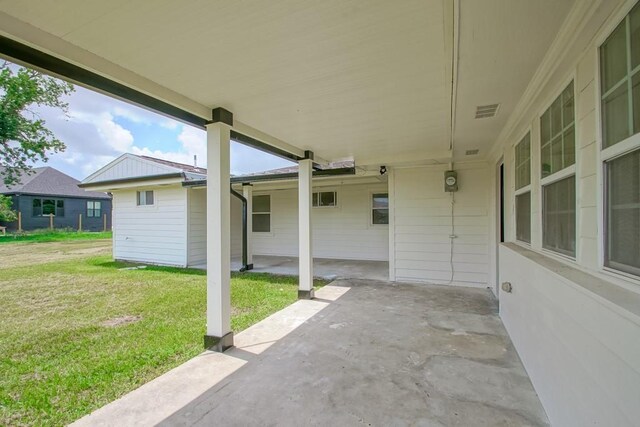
[626, 146]
[561, 174]
[526, 189]
[145, 205]
[316, 194]
[94, 208]
[270, 213]
[371, 208]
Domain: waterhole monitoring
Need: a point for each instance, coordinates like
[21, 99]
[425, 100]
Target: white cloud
[194, 142]
[111, 133]
[94, 138]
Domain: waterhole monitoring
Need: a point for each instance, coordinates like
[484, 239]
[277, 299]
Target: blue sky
[98, 129]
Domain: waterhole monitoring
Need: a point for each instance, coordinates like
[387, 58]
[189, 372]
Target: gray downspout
[245, 266]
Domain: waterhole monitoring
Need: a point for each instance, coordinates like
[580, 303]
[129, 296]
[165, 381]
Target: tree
[24, 139]
[6, 213]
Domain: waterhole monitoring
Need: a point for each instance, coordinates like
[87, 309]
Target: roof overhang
[250, 179]
[124, 183]
[376, 82]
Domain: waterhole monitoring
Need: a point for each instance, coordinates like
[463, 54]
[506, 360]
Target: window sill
[622, 300]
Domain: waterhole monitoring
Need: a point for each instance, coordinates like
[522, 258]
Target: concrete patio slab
[330, 269]
[364, 352]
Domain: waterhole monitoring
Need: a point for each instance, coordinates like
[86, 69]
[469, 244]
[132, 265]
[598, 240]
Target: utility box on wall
[450, 181]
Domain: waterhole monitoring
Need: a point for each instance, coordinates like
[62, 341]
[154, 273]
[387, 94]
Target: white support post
[305, 174]
[247, 192]
[219, 336]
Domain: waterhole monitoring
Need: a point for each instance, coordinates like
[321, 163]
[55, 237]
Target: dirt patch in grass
[120, 321]
[27, 253]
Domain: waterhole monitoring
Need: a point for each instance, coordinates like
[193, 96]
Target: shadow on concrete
[380, 355]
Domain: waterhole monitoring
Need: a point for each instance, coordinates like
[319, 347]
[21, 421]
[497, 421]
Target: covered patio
[508, 133]
[363, 352]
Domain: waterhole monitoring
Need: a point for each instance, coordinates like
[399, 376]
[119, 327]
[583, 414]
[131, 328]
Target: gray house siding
[73, 206]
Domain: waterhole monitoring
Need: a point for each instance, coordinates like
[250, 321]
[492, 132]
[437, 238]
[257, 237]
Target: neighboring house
[48, 191]
[160, 207]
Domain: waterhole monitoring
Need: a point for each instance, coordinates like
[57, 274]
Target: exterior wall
[236, 227]
[421, 224]
[73, 207]
[197, 227]
[582, 353]
[578, 339]
[155, 234]
[342, 232]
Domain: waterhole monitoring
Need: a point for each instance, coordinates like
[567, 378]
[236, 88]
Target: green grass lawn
[52, 236]
[64, 352]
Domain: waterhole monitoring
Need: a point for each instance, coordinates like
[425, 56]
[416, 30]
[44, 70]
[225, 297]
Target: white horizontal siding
[236, 227]
[342, 232]
[581, 351]
[198, 227]
[129, 166]
[422, 226]
[153, 234]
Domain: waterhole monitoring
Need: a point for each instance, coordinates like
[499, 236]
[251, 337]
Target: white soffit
[345, 78]
[502, 43]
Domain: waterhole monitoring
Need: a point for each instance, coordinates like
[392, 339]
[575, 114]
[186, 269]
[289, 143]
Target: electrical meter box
[450, 181]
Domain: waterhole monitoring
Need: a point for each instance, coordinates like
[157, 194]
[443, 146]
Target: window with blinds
[622, 243]
[620, 116]
[559, 216]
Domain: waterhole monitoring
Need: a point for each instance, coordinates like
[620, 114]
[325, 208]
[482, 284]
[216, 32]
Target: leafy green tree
[6, 213]
[24, 138]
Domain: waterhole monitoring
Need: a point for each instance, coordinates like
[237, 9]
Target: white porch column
[219, 336]
[247, 192]
[305, 174]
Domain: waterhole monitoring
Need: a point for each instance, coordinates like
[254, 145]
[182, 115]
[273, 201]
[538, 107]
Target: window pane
[262, 203]
[559, 216]
[261, 223]
[48, 207]
[523, 162]
[381, 216]
[569, 147]
[546, 160]
[635, 36]
[615, 117]
[37, 207]
[149, 198]
[636, 102]
[556, 154]
[545, 127]
[567, 106]
[623, 213]
[556, 117]
[523, 217]
[381, 200]
[613, 58]
[327, 198]
[314, 200]
[89, 205]
[140, 197]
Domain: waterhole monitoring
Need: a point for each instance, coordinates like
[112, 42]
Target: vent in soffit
[472, 152]
[485, 111]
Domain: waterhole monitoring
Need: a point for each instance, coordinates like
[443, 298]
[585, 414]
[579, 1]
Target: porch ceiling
[345, 78]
